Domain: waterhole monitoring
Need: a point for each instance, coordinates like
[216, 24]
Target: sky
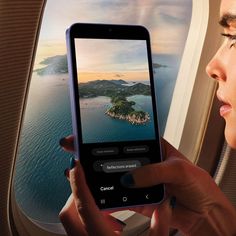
[166, 20]
[96, 55]
[111, 59]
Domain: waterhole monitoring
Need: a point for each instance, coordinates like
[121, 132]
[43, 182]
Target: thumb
[174, 170]
[161, 220]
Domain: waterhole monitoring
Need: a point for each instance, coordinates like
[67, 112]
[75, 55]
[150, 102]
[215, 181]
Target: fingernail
[62, 141]
[66, 172]
[173, 202]
[72, 163]
[127, 180]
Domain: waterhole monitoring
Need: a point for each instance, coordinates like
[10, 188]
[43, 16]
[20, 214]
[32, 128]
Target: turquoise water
[99, 127]
[40, 186]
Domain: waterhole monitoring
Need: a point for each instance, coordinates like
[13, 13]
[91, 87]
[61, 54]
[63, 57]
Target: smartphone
[114, 113]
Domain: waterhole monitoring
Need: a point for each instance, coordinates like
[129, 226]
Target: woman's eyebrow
[227, 20]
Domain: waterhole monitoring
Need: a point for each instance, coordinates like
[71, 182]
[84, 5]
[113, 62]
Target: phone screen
[114, 91]
[116, 117]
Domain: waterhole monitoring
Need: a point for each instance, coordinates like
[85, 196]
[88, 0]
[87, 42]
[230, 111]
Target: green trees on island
[121, 106]
[118, 90]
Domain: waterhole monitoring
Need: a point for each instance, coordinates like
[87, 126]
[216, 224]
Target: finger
[67, 143]
[92, 218]
[161, 220]
[146, 210]
[173, 171]
[67, 173]
[169, 151]
[70, 219]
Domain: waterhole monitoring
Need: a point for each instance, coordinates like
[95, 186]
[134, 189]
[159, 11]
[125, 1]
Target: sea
[40, 186]
[97, 127]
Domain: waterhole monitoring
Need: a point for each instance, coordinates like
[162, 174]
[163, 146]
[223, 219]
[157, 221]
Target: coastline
[133, 119]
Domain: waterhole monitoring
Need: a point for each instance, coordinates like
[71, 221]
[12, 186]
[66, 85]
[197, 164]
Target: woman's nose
[216, 69]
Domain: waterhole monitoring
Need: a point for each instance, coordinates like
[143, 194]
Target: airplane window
[39, 184]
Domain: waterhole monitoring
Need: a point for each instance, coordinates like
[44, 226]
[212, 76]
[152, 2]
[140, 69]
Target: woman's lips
[225, 108]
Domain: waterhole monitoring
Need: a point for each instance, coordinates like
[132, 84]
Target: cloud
[161, 17]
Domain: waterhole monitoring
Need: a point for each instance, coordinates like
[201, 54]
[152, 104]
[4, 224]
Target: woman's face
[222, 67]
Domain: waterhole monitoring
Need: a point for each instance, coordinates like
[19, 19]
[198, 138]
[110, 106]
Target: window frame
[189, 146]
[193, 130]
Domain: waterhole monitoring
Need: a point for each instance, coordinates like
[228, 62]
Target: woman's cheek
[230, 130]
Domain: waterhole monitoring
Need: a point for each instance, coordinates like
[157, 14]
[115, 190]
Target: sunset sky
[132, 76]
[167, 21]
[124, 59]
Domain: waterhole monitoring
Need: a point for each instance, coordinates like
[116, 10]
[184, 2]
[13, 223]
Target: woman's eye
[231, 39]
[233, 44]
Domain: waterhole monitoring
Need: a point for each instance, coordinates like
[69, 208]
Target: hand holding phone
[113, 109]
